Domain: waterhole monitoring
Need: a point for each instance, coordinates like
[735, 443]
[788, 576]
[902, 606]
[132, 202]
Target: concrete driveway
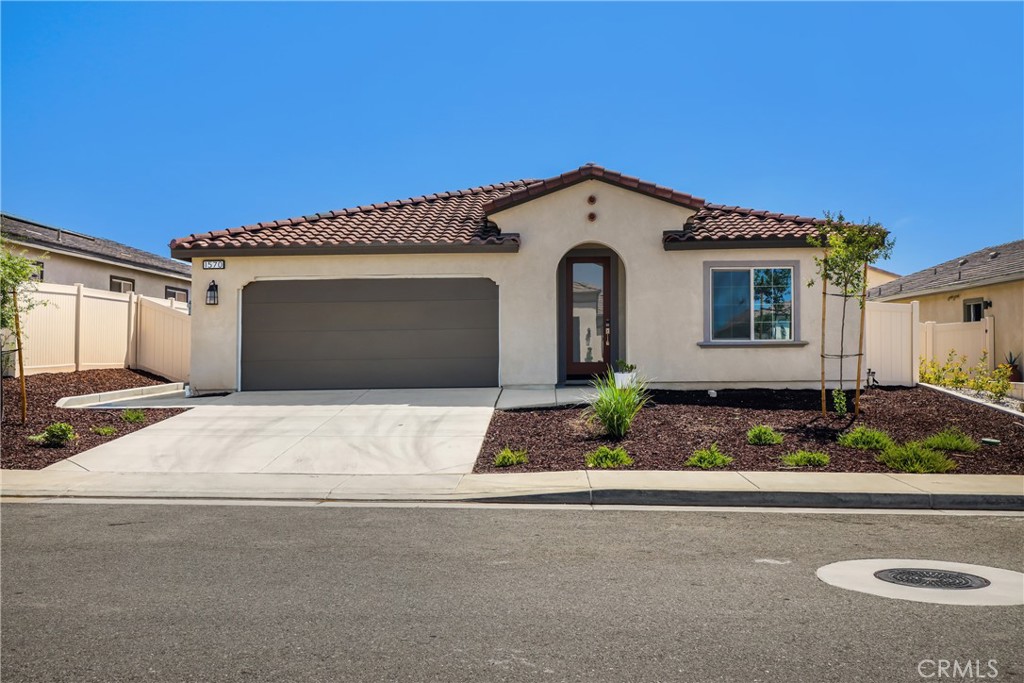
[385, 431]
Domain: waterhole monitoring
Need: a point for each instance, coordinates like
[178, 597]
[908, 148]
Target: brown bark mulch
[17, 452]
[675, 423]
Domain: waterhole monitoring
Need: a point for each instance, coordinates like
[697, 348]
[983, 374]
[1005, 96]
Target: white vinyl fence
[895, 342]
[892, 342]
[965, 339]
[77, 328]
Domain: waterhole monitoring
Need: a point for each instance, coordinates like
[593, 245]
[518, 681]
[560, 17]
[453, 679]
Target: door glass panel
[588, 314]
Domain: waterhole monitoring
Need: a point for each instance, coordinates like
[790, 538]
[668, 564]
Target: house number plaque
[217, 264]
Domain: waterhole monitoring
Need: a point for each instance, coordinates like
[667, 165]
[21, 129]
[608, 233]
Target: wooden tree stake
[860, 346]
[21, 358]
[824, 298]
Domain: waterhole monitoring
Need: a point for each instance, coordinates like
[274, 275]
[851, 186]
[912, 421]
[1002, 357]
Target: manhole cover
[932, 578]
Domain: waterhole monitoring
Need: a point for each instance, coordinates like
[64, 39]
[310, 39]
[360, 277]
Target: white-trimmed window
[751, 304]
[121, 284]
[974, 310]
[176, 293]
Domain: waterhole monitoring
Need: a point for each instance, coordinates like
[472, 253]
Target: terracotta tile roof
[717, 223]
[47, 237]
[458, 221]
[591, 171]
[1003, 261]
[446, 218]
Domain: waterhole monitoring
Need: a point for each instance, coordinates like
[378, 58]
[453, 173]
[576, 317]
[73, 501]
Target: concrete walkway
[760, 489]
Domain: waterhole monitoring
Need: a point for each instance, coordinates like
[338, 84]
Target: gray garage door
[359, 334]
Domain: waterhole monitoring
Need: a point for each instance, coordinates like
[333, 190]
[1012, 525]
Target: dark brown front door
[588, 315]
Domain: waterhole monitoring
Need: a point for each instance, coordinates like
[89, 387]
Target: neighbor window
[752, 304]
[974, 310]
[38, 275]
[121, 284]
[176, 293]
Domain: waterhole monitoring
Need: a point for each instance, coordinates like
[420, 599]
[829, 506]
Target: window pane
[730, 304]
[588, 302]
[773, 303]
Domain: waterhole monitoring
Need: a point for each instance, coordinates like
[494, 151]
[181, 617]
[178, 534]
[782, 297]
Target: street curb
[630, 497]
[802, 499]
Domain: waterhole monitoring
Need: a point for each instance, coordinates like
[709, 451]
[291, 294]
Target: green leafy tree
[847, 250]
[16, 283]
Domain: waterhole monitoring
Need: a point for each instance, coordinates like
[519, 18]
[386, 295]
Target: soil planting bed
[16, 452]
[675, 423]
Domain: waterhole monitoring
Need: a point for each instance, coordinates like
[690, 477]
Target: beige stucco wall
[663, 299]
[878, 277]
[63, 269]
[1007, 309]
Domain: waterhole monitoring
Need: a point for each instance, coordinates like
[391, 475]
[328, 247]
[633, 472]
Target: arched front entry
[591, 311]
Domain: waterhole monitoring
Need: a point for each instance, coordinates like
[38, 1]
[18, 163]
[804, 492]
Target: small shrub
[763, 435]
[839, 402]
[606, 458]
[805, 459]
[915, 458]
[951, 439]
[507, 457]
[622, 366]
[708, 458]
[55, 436]
[866, 438]
[615, 407]
[133, 415]
[103, 431]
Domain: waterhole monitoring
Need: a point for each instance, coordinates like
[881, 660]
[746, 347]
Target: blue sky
[141, 122]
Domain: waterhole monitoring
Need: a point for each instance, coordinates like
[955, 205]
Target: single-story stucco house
[523, 283]
[988, 282]
[66, 257]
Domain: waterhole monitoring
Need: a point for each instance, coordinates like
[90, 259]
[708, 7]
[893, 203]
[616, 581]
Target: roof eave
[910, 293]
[672, 242]
[527, 194]
[507, 246]
[92, 256]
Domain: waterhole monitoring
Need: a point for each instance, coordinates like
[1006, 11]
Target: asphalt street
[216, 593]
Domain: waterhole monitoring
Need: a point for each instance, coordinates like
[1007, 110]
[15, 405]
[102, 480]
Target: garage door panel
[382, 315]
[377, 374]
[382, 289]
[372, 344]
[393, 333]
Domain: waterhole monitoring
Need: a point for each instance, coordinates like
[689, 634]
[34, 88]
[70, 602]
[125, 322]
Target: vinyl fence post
[915, 343]
[990, 341]
[133, 313]
[79, 300]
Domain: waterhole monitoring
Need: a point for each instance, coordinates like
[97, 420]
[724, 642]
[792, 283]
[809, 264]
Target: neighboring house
[525, 283]
[985, 283]
[67, 258]
[878, 276]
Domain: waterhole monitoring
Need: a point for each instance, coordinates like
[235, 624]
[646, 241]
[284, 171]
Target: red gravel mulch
[675, 423]
[17, 452]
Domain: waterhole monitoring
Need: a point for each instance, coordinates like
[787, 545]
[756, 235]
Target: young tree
[848, 250]
[16, 282]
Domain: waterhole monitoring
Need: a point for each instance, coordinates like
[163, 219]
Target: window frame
[40, 272]
[794, 328]
[171, 292]
[970, 303]
[119, 278]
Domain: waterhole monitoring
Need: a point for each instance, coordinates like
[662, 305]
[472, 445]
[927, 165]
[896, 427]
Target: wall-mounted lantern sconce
[986, 304]
[211, 294]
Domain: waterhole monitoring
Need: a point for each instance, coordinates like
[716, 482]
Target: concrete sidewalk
[597, 487]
